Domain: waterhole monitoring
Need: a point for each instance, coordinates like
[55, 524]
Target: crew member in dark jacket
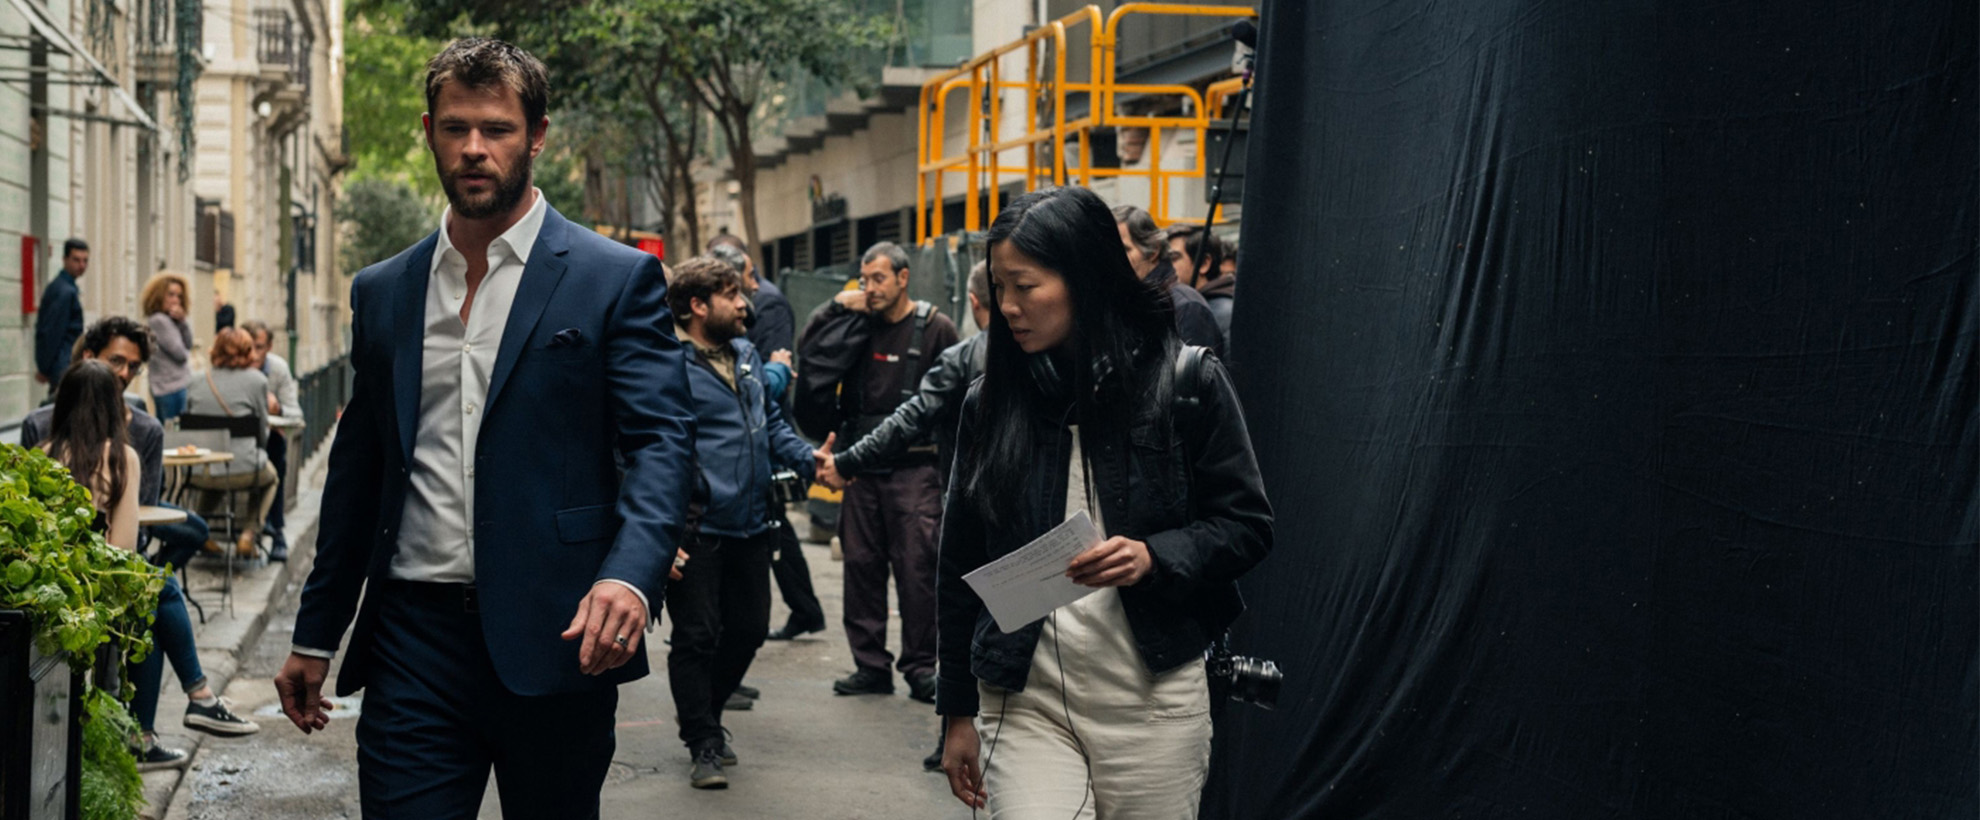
[1148, 252]
[59, 322]
[933, 408]
[720, 603]
[1079, 410]
[771, 325]
[861, 358]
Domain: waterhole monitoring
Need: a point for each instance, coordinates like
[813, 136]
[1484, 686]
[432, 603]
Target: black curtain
[1612, 368]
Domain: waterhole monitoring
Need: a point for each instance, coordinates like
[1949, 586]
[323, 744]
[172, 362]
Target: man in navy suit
[59, 323]
[507, 485]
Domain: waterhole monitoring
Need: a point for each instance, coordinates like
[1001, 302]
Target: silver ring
[620, 640]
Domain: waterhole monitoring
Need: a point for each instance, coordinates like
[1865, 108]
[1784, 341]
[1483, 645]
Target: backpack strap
[1189, 376]
[922, 312]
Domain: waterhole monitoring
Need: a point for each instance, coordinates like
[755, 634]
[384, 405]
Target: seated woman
[88, 435]
[234, 388]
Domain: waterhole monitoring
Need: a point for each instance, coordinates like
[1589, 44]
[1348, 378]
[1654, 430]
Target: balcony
[283, 53]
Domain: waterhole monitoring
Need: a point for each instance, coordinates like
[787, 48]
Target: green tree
[381, 217]
[384, 96]
[722, 57]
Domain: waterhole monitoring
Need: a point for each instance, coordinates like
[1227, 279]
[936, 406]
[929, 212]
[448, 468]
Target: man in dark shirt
[861, 358]
[60, 321]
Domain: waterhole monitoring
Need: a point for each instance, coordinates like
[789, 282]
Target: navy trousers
[437, 719]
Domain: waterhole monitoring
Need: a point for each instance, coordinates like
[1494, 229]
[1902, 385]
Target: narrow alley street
[804, 752]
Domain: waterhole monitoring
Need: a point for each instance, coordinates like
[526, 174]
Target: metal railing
[985, 163]
[276, 43]
[324, 393]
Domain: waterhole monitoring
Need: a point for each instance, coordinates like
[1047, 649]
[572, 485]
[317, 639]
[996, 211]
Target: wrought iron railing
[323, 395]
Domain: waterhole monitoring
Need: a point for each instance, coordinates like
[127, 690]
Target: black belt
[463, 597]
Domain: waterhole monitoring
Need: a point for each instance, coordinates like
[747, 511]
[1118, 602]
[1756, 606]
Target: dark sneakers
[750, 692]
[155, 757]
[739, 702]
[922, 687]
[707, 771]
[217, 720]
[865, 682]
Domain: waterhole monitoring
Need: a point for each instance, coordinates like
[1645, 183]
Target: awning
[60, 40]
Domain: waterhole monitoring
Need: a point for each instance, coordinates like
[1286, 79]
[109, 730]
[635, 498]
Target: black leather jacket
[932, 409]
[1190, 490]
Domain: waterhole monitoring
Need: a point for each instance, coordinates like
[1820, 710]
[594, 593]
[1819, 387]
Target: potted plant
[64, 592]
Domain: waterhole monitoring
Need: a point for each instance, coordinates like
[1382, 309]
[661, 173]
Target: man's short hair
[482, 62]
[729, 239]
[888, 251]
[98, 335]
[732, 254]
[702, 277]
[979, 282]
[73, 244]
[253, 326]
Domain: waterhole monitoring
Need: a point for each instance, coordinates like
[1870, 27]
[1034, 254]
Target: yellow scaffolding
[980, 162]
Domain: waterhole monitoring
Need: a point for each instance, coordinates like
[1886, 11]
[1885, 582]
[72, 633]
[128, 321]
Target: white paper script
[1028, 584]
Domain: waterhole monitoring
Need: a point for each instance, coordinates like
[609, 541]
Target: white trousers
[1090, 701]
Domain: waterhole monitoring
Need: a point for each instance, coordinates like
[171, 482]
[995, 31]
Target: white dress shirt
[282, 385]
[436, 538]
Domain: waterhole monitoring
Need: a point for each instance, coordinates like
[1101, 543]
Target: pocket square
[568, 337]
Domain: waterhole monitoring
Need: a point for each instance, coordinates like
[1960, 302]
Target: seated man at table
[284, 408]
[125, 346]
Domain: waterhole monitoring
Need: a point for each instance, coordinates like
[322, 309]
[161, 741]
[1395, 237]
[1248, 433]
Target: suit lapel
[539, 281]
[409, 339]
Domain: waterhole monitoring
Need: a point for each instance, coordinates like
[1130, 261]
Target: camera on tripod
[1246, 679]
[787, 487]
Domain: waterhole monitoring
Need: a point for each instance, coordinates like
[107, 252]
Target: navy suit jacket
[57, 326]
[582, 466]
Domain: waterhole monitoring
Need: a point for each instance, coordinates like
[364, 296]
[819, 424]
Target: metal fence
[324, 392]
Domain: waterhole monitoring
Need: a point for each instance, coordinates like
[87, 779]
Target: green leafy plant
[112, 789]
[78, 589]
[80, 593]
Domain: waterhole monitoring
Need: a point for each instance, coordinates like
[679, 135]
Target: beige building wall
[109, 180]
[258, 124]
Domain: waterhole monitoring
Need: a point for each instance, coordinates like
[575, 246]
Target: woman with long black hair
[1102, 708]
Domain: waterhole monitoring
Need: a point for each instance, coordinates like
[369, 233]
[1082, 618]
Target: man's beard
[722, 333]
[509, 190]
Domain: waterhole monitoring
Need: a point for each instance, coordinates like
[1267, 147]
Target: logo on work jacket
[886, 357]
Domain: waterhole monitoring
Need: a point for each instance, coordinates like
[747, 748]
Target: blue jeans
[178, 543]
[170, 405]
[171, 634]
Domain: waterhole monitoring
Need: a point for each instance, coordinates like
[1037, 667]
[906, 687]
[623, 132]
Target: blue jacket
[585, 437]
[57, 326]
[738, 433]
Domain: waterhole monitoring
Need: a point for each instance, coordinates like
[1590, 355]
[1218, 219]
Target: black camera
[787, 487]
[1245, 679]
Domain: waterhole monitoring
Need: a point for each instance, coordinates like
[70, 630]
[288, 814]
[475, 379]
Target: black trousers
[721, 610]
[891, 523]
[278, 455]
[794, 575]
[436, 719]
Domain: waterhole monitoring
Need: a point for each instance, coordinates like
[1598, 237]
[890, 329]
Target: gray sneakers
[707, 772]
